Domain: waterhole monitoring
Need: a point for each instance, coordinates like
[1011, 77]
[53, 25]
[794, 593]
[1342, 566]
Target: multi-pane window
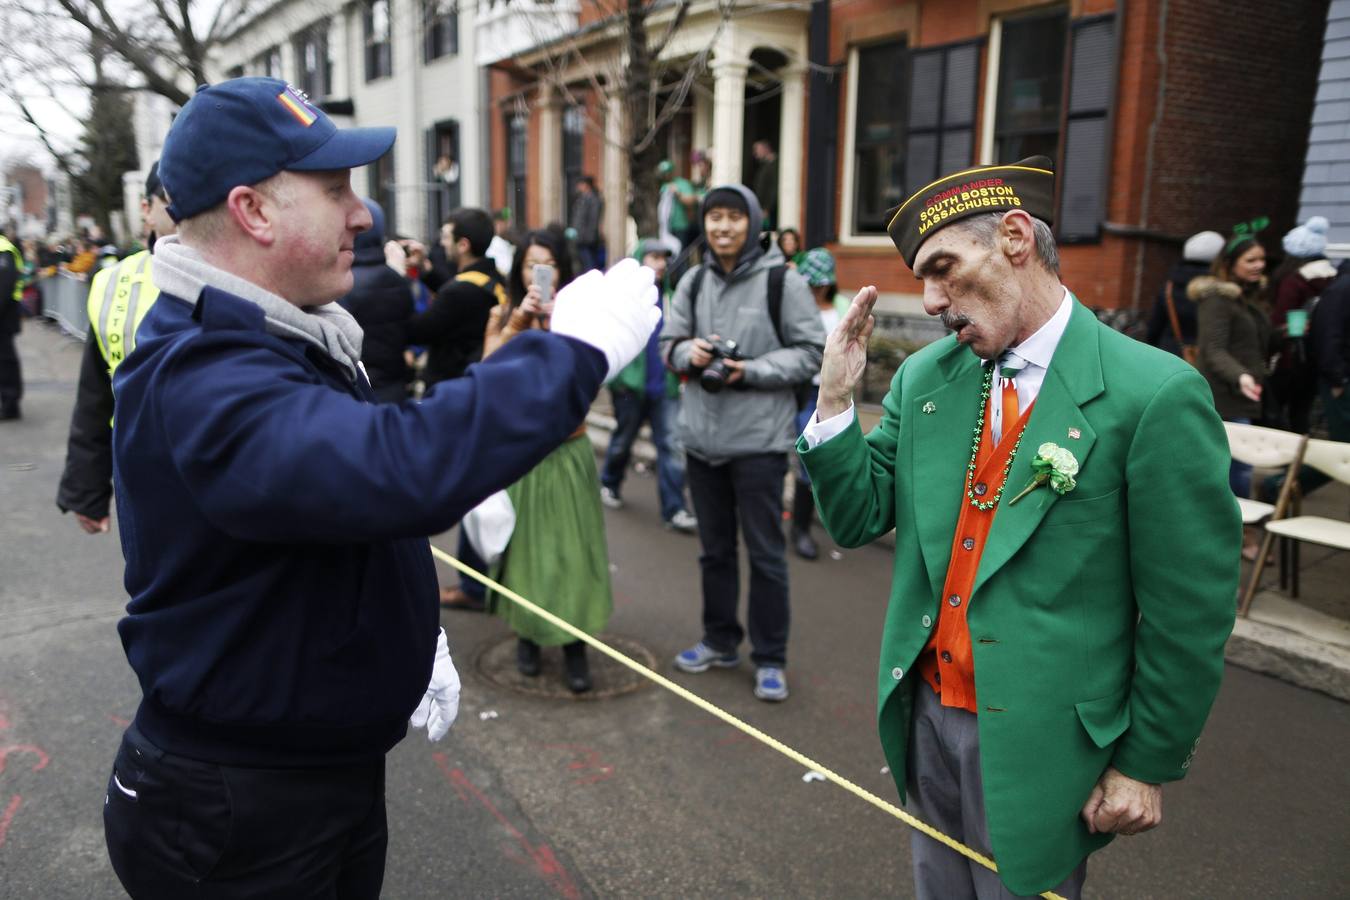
[440, 29]
[516, 138]
[943, 83]
[573, 147]
[375, 19]
[382, 187]
[313, 62]
[268, 63]
[879, 134]
[1030, 85]
[445, 174]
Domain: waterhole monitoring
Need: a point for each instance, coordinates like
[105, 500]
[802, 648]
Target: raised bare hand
[846, 355]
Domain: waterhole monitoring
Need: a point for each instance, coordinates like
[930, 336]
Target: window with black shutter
[1030, 85]
[882, 73]
[516, 136]
[943, 87]
[379, 58]
[440, 29]
[313, 62]
[268, 63]
[382, 187]
[1083, 171]
[573, 148]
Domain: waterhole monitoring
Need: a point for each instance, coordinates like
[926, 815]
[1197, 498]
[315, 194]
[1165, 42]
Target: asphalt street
[640, 794]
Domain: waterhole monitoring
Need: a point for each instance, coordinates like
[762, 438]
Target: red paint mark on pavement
[589, 760]
[540, 858]
[118, 720]
[42, 757]
[8, 816]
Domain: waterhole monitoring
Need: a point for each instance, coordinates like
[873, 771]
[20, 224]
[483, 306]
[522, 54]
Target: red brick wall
[1226, 145]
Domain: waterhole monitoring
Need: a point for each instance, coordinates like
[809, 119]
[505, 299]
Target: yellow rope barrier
[725, 716]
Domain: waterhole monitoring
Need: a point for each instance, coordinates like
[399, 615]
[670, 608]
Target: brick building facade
[1165, 118]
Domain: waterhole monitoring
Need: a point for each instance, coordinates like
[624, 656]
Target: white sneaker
[683, 521]
[609, 498]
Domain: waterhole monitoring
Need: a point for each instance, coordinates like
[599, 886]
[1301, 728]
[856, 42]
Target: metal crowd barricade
[65, 301]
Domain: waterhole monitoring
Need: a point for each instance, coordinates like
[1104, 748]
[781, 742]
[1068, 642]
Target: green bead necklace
[986, 505]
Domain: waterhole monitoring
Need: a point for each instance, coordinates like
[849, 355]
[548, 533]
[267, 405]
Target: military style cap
[1028, 185]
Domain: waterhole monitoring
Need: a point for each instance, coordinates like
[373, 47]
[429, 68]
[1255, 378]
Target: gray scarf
[183, 272]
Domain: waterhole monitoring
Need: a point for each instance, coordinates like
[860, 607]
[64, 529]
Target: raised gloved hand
[440, 706]
[615, 313]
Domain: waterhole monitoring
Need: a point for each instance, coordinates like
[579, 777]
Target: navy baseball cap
[245, 130]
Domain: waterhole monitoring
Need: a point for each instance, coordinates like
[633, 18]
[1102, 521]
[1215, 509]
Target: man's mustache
[953, 322]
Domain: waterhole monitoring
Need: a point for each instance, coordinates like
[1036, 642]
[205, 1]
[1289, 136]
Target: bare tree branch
[115, 38]
[680, 12]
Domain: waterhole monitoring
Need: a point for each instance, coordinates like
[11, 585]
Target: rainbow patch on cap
[297, 107]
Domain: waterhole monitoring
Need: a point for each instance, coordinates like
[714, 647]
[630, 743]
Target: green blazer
[1098, 618]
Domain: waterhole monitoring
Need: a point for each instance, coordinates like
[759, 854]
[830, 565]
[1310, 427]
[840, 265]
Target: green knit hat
[817, 267]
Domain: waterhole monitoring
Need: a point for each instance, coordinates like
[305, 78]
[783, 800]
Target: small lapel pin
[929, 408]
[1075, 433]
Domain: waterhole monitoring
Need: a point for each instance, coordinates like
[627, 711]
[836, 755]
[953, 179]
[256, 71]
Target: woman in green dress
[557, 556]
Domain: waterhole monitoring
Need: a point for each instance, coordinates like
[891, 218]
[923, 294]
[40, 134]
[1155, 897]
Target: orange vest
[946, 663]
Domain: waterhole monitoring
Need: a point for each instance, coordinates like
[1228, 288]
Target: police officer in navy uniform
[119, 298]
[11, 295]
[283, 622]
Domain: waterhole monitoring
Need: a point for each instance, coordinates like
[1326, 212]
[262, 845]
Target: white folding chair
[1261, 448]
[1333, 459]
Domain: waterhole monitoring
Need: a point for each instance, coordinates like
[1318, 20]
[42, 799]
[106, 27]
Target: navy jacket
[274, 520]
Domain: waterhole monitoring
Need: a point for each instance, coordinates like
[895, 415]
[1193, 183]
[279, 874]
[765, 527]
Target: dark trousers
[591, 256]
[469, 556]
[631, 409]
[11, 377]
[180, 828]
[748, 490]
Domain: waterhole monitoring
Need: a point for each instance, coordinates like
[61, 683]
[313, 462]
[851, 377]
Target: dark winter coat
[1235, 338]
[381, 301]
[1329, 331]
[1160, 332]
[452, 327]
[283, 595]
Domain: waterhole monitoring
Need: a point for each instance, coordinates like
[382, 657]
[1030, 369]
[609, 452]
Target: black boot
[803, 513]
[578, 669]
[527, 658]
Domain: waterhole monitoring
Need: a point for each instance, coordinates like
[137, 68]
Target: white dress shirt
[1037, 350]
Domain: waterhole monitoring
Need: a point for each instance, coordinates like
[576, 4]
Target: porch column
[552, 205]
[616, 184]
[728, 118]
[703, 120]
[791, 138]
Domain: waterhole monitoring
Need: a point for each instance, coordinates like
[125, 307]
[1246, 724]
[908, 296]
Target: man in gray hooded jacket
[744, 360]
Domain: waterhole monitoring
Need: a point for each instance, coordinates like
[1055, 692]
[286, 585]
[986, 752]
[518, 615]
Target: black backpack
[776, 276]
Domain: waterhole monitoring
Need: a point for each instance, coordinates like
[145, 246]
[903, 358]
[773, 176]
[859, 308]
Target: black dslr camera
[714, 375]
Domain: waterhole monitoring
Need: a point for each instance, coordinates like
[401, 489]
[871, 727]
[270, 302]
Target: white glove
[440, 706]
[615, 313]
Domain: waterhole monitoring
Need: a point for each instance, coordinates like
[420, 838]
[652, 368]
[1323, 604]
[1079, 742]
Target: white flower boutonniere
[1053, 465]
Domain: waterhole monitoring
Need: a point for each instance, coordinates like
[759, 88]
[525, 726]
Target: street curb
[1292, 657]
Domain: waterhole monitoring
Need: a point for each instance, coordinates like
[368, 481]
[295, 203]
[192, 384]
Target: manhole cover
[497, 663]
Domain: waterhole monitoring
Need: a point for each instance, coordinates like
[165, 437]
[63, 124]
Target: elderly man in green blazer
[1066, 546]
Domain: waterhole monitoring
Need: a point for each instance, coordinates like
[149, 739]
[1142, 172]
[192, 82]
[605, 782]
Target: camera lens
[714, 377]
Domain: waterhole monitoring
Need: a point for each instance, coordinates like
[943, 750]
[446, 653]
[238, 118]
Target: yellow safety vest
[481, 279]
[119, 298]
[7, 247]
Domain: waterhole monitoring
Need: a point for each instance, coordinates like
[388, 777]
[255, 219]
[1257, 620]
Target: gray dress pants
[946, 790]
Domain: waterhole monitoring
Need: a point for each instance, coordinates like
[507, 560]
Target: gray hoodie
[761, 416]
